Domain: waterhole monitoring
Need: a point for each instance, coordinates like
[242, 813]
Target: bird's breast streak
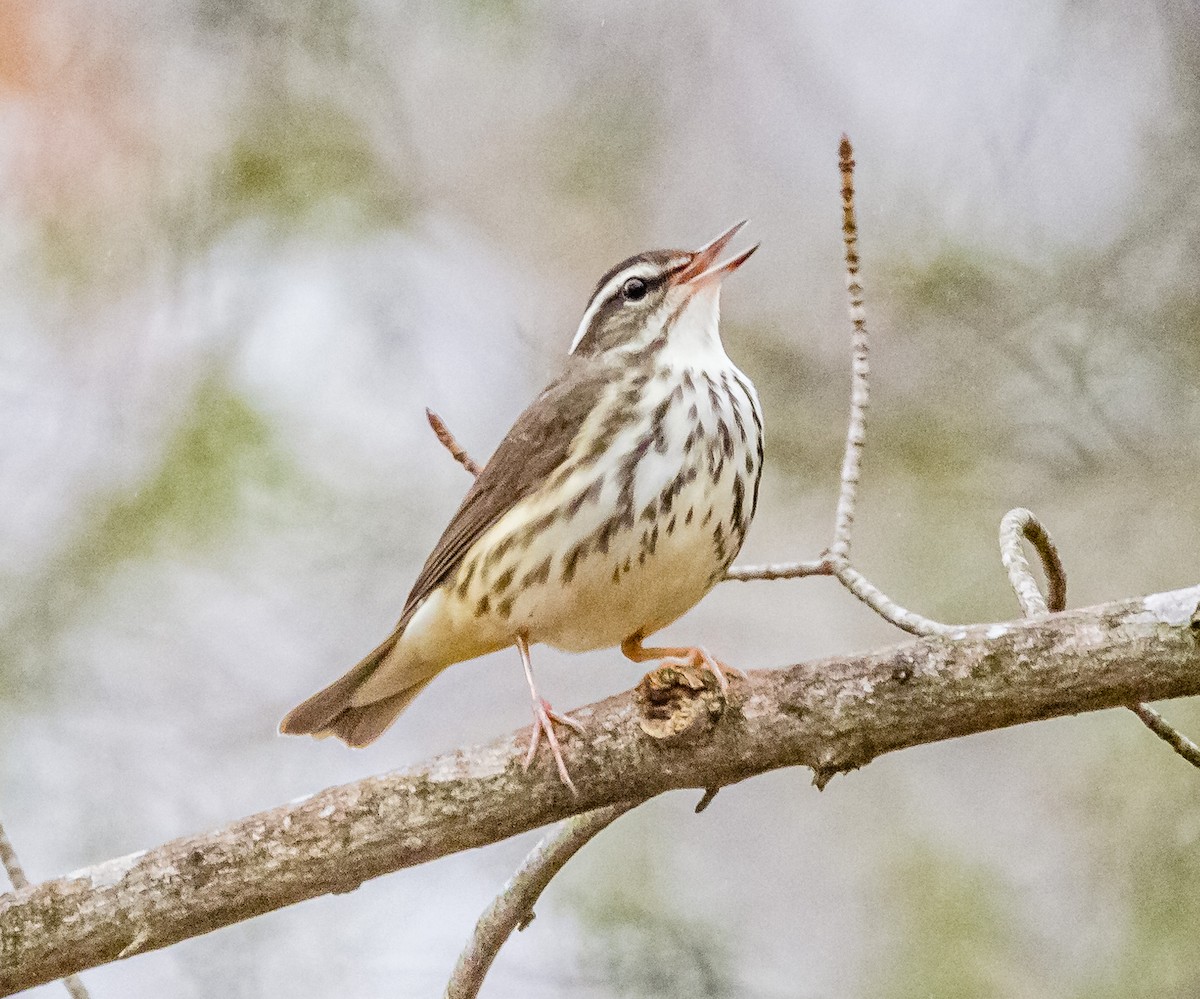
[628, 540]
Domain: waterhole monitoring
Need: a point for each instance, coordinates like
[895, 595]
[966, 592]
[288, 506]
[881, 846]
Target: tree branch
[833, 715]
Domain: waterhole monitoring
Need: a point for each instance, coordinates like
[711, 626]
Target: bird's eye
[634, 290]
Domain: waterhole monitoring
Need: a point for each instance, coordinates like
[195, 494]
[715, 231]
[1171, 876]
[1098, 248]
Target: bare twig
[781, 570]
[1021, 523]
[838, 553]
[16, 874]
[12, 865]
[513, 907]
[448, 441]
[860, 388]
[1168, 733]
[836, 559]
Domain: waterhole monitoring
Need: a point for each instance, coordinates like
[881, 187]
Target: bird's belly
[612, 576]
[634, 589]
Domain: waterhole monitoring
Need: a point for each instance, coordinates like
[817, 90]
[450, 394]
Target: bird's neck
[688, 337]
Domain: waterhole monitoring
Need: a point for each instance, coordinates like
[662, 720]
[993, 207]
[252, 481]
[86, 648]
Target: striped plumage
[614, 504]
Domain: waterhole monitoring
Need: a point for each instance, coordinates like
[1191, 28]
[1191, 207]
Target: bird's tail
[332, 711]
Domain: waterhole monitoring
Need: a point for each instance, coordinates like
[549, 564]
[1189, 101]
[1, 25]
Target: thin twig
[448, 441]
[860, 388]
[836, 560]
[16, 875]
[12, 866]
[1168, 733]
[887, 608]
[513, 907]
[781, 570]
[838, 553]
[1021, 523]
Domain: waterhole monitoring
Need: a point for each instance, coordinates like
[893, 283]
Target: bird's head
[657, 295]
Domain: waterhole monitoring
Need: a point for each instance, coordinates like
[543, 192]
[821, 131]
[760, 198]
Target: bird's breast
[642, 518]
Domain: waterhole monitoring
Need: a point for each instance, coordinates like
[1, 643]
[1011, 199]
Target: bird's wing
[536, 446]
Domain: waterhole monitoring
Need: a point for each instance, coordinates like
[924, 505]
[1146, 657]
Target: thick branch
[833, 715]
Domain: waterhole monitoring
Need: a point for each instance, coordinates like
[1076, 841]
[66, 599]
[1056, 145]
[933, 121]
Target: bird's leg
[688, 655]
[544, 718]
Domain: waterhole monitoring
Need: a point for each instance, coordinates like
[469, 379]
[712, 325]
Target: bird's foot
[689, 657]
[700, 659]
[697, 658]
[544, 718]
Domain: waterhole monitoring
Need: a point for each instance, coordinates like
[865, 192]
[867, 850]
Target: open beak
[701, 268]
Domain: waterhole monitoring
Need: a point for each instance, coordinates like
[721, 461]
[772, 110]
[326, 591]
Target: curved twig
[838, 553]
[887, 608]
[1020, 523]
[513, 907]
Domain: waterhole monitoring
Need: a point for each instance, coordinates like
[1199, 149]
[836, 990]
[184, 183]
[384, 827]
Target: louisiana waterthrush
[614, 504]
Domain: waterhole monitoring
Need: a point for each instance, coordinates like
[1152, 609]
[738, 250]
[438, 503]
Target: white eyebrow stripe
[642, 269]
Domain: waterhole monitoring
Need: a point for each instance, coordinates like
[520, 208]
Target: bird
[616, 501]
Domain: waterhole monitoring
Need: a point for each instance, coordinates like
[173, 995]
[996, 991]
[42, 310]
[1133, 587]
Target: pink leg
[688, 655]
[544, 718]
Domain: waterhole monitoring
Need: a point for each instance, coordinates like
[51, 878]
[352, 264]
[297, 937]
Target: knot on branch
[678, 702]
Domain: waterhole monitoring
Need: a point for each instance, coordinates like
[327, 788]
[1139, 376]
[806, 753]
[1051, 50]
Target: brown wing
[533, 449]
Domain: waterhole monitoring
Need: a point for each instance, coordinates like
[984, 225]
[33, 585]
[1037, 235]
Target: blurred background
[244, 243]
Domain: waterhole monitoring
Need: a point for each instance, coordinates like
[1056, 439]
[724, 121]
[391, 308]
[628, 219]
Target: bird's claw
[698, 658]
[544, 718]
